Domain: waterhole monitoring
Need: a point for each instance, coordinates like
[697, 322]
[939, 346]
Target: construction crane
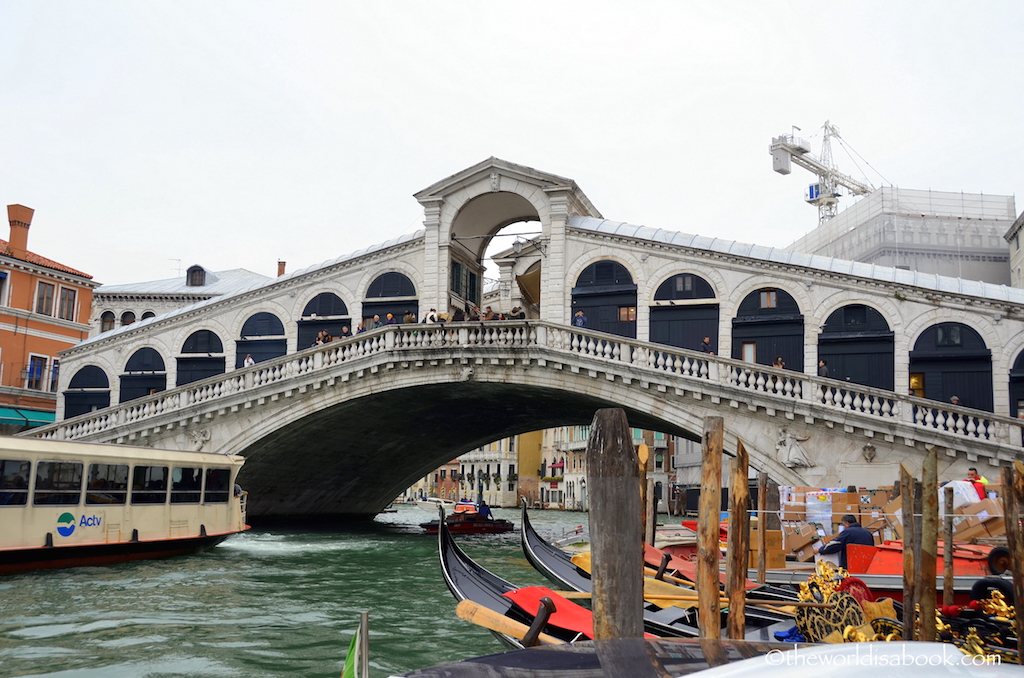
[788, 149]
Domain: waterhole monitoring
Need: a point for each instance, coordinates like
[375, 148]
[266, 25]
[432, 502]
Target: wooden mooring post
[929, 537]
[947, 548]
[709, 509]
[909, 564]
[762, 527]
[1013, 505]
[738, 545]
[616, 537]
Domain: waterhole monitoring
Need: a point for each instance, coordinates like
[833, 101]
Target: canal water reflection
[273, 602]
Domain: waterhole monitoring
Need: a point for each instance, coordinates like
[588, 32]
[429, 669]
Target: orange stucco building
[44, 309]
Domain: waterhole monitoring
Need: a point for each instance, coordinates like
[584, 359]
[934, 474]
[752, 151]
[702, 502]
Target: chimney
[280, 264]
[20, 218]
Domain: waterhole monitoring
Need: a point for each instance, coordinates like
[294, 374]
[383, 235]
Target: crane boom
[788, 149]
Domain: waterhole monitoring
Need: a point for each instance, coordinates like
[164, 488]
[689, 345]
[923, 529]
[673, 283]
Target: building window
[66, 310]
[36, 376]
[473, 288]
[107, 321]
[749, 352]
[769, 299]
[627, 314]
[948, 335]
[44, 298]
[196, 277]
[148, 314]
[443, 474]
[54, 375]
[127, 318]
[456, 275]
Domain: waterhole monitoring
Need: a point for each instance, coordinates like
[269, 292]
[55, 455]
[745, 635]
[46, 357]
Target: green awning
[10, 415]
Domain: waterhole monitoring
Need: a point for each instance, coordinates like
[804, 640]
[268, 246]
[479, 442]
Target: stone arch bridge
[343, 428]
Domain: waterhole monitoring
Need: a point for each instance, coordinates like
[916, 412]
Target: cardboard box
[996, 527]
[807, 553]
[982, 511]
[774, 560]
[819, 507]
[874, 498]
[793, 512]
[975, 531]
[800, 536]
[773, 540]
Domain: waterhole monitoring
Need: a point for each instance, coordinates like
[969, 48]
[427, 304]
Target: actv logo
[65, 524]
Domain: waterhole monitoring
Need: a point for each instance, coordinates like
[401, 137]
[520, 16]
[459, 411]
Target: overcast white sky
[234, 134]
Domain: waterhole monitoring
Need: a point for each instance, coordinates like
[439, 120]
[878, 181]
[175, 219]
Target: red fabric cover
[683, 568]
[567, 615]
[856, 588]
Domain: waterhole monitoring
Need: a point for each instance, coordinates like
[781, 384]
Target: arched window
[684, 312]
[951, 359]
[196, 276]
[606, 294]
[857, 346]
[262, 338]
[144, 375]
[89, 390]
[263, 325]
[145, 360]
[769, 325]
[392, 284]
[148, 314]
[325, 304]
[127, 318]
[392, 293]
[203, 341]
[192, 367]
[107, 321]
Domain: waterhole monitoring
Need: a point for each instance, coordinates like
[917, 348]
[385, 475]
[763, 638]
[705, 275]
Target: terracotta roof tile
[33, 258]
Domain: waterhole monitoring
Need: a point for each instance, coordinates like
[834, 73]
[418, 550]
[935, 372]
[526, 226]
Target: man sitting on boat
[852, 533]
[484, 510]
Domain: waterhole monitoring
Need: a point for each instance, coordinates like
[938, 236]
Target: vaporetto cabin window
[14, 475]
[186, 485]
[149, 485]
[218, 485]
[107, 484]
[58, 482]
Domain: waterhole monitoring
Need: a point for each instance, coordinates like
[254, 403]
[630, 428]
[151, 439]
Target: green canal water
[274, 602]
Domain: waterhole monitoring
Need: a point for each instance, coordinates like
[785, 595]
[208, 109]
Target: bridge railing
[656, 359]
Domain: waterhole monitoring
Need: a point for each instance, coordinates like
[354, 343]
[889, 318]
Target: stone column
[434, 293]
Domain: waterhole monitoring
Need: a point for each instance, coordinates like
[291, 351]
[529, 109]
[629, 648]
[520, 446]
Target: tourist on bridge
[248, 362]
[408, 318]
[376, 323]
[391, 320]
[705, 346]
[579, 320]
[517, 313]
[474, 314]
[459, 315]
[360, 328]
[822, 368]
[430, 316]
[488, 314]
[345, 334]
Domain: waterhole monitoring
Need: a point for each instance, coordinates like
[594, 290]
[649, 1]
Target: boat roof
[20, 448]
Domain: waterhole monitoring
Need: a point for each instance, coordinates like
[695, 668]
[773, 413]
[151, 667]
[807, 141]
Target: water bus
[66, 504]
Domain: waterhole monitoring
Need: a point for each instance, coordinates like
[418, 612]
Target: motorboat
[68, 504]
[467, 519]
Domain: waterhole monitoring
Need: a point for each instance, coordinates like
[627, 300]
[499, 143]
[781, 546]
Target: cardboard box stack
[811, 514]
[775, 557]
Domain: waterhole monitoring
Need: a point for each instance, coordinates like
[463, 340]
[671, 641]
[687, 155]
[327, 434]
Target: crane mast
[788, 149]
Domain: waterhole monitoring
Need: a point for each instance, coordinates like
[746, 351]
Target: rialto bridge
[344, 427]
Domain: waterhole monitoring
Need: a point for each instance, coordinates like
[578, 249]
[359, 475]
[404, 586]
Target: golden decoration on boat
[820, 586]
[972, 645]
[996, 605]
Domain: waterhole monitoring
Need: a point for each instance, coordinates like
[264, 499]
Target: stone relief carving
[197, 439]
[790, 451]
[495, 182]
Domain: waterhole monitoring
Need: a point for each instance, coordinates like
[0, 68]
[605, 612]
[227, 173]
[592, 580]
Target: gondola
[469, 581]
[557, 566]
